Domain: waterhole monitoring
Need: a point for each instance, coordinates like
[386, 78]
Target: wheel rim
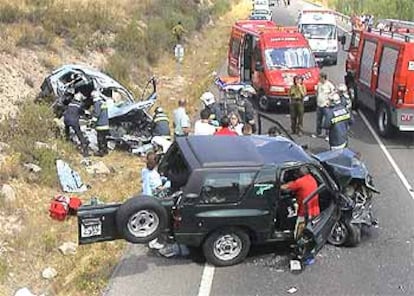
[143, 223]
[263, 102]
[227, 247]
[338, 234]
[382, 120]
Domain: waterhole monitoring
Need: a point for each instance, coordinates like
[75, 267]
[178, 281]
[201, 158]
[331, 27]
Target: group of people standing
[333, 111]
[100, 121]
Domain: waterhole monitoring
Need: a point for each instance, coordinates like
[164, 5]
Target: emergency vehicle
[319, 27]
[380, 75]
[268, 56]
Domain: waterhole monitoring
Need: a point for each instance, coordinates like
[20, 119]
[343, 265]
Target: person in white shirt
[325, 89]
[202, 127]
[182, 122]
[235, 124]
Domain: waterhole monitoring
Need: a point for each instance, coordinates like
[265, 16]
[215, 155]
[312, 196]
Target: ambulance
[268, 57]
[320, 29]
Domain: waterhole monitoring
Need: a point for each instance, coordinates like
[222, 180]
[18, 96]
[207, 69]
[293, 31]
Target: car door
[318, 229]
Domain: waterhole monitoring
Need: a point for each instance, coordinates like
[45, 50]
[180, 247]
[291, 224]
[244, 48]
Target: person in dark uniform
[161, 124]
[100, 121]
[71, 118]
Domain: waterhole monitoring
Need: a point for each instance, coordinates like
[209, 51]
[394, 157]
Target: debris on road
[68, 248]
[33, 167]
[49, 273]
[292, 290]
[295, 265]
[69, 179]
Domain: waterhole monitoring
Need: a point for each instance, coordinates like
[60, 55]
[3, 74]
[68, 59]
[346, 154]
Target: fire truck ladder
[405, 35]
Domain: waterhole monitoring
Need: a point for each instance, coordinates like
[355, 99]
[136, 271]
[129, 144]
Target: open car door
[318, 229]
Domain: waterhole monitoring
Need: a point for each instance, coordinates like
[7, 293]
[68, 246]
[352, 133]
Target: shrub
[3, 269]
[130, 40]
[9, 13]
[118, 67]
[220, 7]
[34, 36]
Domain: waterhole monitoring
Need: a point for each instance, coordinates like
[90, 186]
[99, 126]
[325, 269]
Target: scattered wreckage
[224, 202]
[129, 120]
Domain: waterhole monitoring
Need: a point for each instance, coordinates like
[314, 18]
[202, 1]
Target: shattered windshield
[318, 31]
[289, 58]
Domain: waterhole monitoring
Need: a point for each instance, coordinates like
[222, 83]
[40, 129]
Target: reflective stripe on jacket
[161, 125]
[337, 120]
[100, 114]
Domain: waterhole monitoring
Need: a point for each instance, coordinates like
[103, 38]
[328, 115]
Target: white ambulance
[320, 29]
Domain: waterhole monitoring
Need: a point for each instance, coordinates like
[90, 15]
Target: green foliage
[221, 7]
[398, 9]
[9, 13]
[33, 123]
[34, 36]
[3, 269]
[118, 67]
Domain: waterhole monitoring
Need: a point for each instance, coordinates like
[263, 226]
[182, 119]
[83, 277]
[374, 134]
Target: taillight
[400, 94]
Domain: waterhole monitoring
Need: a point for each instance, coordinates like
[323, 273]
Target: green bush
[221, 7]
[9, 13]
[34, 36]
[130, 39]
[118, 67]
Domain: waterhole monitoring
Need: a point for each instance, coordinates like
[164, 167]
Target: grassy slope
[34, 246]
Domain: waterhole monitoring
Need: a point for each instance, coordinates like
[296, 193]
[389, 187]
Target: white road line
[388, 156]
[206, 280]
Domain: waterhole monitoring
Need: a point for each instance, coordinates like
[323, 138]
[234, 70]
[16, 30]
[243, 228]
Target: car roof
[240, 151]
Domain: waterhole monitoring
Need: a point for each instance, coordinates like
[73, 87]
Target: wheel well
[252, 234]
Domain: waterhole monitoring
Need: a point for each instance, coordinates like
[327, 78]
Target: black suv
[226, 195]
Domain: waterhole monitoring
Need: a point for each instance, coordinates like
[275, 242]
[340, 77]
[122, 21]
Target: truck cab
[380, 75]
[268, 57]
[320, 29]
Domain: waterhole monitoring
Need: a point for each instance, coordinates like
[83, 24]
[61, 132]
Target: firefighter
[100, 121]
[210, 104]
[337, 122]
[245, 108]
[71, 118]
[161, 124]
[343, 94]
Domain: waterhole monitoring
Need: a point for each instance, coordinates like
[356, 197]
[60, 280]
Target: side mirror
[191, 196]
[258, 67]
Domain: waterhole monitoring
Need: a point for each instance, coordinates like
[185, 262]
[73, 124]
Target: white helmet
[335, 98]
[342, 87]
[95, 94]
[78, 97]
[208, 98]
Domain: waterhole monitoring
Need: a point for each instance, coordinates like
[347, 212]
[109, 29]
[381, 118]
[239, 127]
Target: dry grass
[33, 246]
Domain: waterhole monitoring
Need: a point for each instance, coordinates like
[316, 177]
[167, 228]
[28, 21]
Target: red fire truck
[268, 57]
[380, 75]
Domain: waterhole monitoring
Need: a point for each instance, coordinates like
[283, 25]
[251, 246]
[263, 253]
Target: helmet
[78, 97]
[335, 98]
[342, 87]
[208, 98]
[95, 94]
[159, 110]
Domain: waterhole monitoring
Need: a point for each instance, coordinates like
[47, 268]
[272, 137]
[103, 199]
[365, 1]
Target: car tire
[226, 247]
[141, 219]
[345, 233]
[354, 235]
[384, 125]
[264, 103]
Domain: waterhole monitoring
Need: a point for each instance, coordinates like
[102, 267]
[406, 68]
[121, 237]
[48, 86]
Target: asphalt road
[383, 264]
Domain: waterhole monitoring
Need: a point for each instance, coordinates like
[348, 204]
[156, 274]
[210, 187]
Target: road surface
[383, 264]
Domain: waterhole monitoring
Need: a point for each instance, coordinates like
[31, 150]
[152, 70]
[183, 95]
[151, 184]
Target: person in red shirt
[224, 128]
[303, 187]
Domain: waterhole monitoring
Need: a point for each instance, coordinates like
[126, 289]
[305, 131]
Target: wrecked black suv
[226, 196]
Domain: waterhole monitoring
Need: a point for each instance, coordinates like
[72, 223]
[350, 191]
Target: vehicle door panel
[368, 70]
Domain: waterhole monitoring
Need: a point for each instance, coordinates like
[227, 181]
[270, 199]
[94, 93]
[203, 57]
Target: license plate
[306, 98]
[91, 229]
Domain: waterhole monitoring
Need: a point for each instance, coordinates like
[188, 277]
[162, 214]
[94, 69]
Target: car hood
[115, 110]
[285, 77]
[344, 164]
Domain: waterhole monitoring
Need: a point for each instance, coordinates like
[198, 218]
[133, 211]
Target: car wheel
[384, 121]
[345, 234]
[264, 103]
[141, 219]
[226, 247]
[354, 235]
[339, 234]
